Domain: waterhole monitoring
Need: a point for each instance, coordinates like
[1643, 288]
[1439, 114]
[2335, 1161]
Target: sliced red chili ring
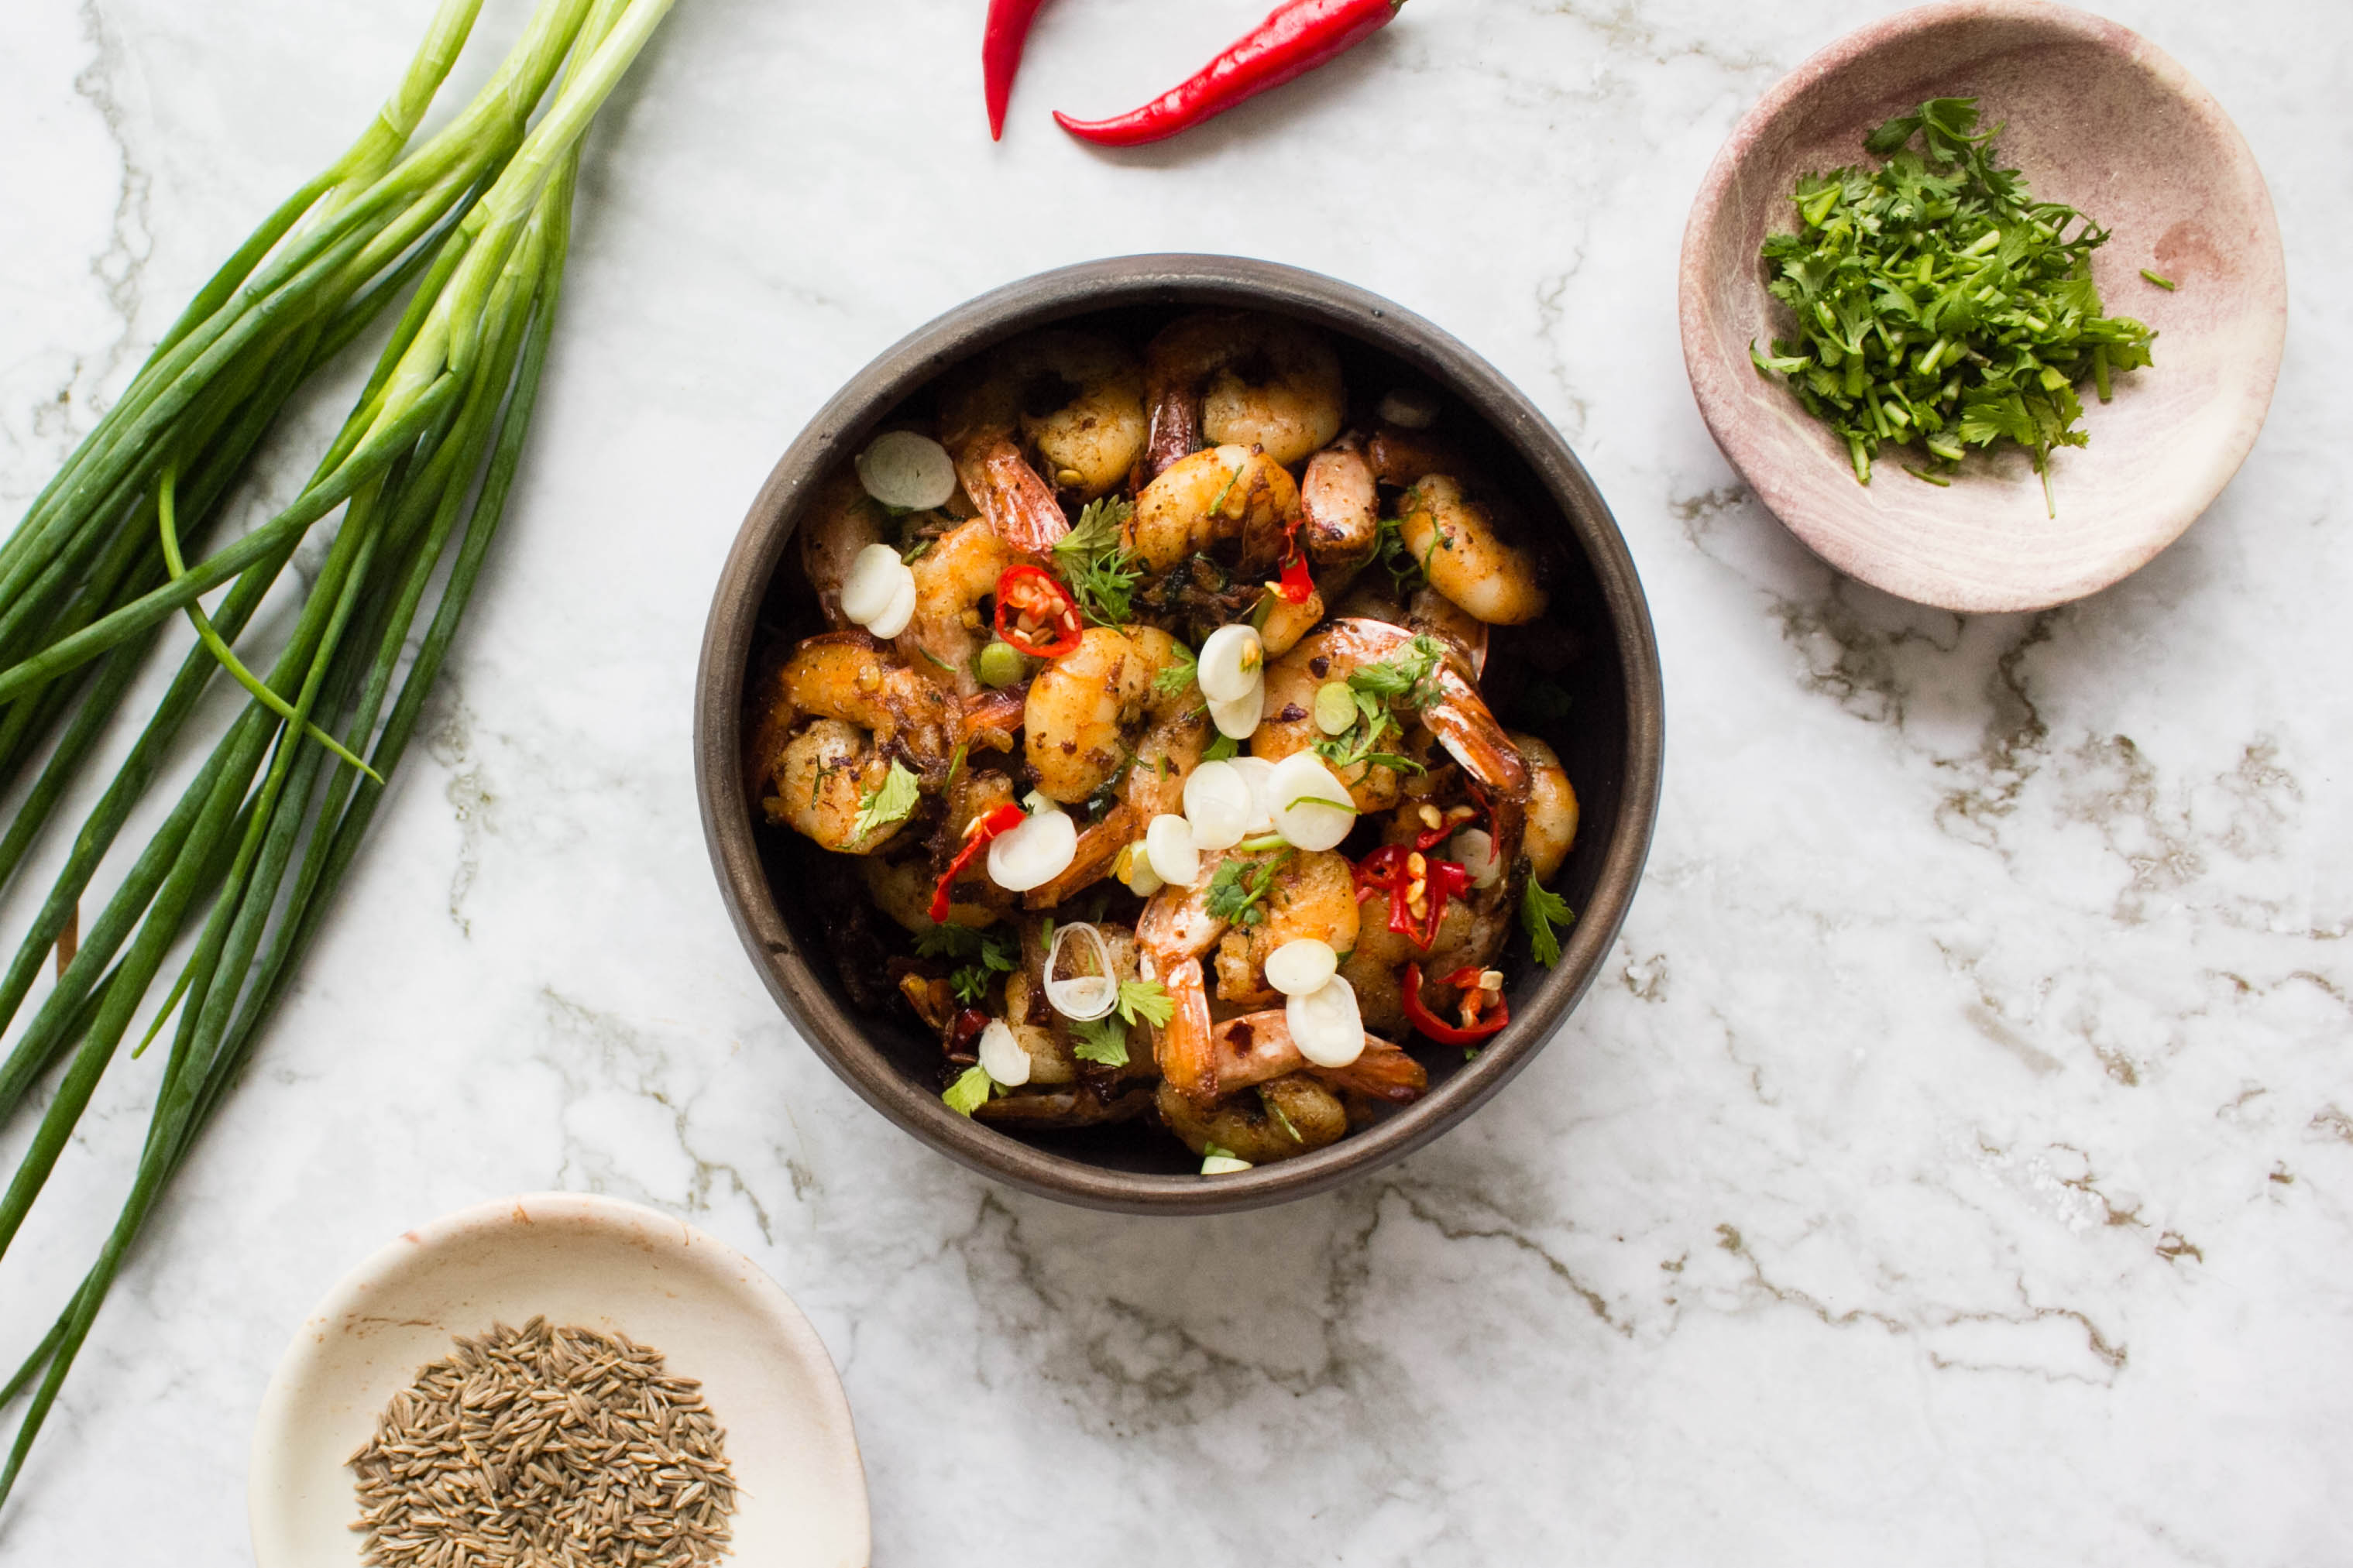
[1002, 819]
[1298, 584]
[1035, 614]
[1390, 870]
[1417, 1014]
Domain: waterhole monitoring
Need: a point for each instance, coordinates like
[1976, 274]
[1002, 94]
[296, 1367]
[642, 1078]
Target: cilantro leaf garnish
[1178, 675]
[1407, 679]
[1102, 575]
[1238, 887]
[1101, 1040]
[1145, 999]
[1539, 913]
[985, 955]
[970, 1091]
[1221, 749]
[1406, 572]
[1937, 301]
[887, 803]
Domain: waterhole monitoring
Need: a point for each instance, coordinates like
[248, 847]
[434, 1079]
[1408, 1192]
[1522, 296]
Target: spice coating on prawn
[1235, 378]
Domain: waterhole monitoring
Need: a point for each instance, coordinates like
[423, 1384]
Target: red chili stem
[1002, 819]
[1000, 54]
[1294, 39]
[1437, 1028]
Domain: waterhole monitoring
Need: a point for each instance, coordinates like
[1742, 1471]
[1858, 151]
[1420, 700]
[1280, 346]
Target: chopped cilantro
[1221, 749]
[1939, 301]
[888, 803]
[971, 1091]
[1539, 913]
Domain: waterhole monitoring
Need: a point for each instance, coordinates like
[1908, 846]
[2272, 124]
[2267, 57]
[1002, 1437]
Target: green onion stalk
[469, 227]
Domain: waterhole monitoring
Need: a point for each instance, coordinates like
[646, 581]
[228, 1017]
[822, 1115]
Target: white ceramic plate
[592, 1262]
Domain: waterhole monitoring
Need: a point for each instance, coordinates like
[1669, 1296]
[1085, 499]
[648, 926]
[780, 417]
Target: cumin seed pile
[551, 1447]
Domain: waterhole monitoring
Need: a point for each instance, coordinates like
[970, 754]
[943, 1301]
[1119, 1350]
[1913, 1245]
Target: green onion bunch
[461, 240]
[1937, 301]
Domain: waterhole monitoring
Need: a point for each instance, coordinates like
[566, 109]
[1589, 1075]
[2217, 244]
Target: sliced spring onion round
[1259, 773]
[1312, 809]
[1239, 719]
[1223, 1165]
[1000, 664]
[1217, 804]
[1325, 1024]
[1476, 849]
[1409, 406]
[1299, 968]
[1001, 1056]
[1033, 853]
[1133, 867]
[901, 609]
[1168, 844]
[1233, 660]
[873, 577]
[1336, 707]
[902, 468]
[1089, 991]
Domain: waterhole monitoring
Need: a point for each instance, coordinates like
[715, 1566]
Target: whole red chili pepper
[1498, 1014]
[1003, 819]
[1000, 54]
[1295, 38]
[1035, 613]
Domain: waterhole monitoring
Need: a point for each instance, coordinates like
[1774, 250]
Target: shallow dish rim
[664, 1239]
[1754, 458]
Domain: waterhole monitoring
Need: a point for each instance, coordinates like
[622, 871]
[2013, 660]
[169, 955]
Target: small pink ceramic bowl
[2097, 117]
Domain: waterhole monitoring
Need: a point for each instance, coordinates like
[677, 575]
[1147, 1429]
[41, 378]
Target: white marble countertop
[1953, 1164]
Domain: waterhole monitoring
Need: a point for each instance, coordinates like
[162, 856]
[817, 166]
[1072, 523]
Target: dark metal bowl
[1609, 741]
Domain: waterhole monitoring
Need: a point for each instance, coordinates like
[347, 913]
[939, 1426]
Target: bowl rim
[1745, 452]
[1036, 302]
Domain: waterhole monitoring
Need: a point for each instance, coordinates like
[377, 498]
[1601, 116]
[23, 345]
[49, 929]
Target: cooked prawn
[842, 521]
[1341, 505]
[1075, 399]
[1165, 758]
[1282, 1118]
[951, 578]
[1084, 707]
[1220, 377]
[1312, 896]
[831, 719]
[1257, 1047]
[1456, 716]
[1207, 497]
[1552, 807]
[1466, 559]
